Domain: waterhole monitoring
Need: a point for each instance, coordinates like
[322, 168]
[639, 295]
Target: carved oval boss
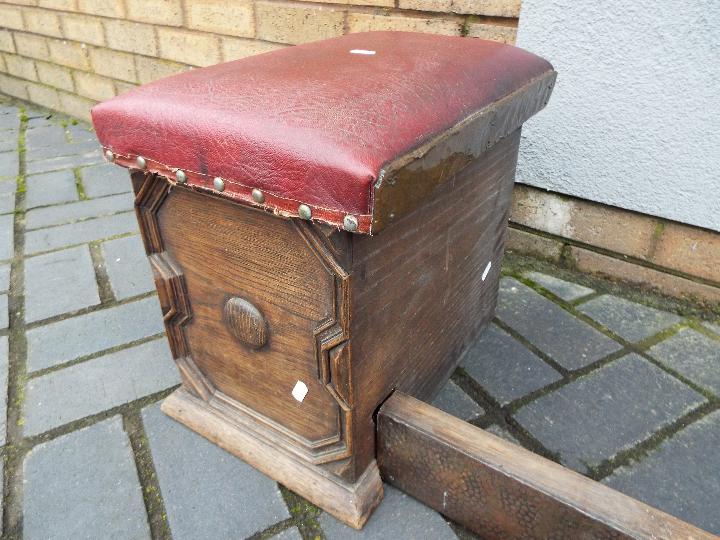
[246, 322]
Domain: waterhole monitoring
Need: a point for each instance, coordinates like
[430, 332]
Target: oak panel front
[233, 256]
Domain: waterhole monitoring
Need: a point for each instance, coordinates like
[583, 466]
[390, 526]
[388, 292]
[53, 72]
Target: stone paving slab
[713, 327]
[505, 368]
[612, 409]
[50, 188]
[398, 516]
[453, 400]
[60, 150]
[127, 267]
[64, 162]
[680, 476]
[569, 341]
[78, 233]
[503, 434]
[59, 282]
[48, 135]
[291, 533]
[9, 164]
[67, 213]
[84, 485]
[692, 355]
[8, 145]
[629, 320]
[208, 493]
[4, 277]
[98, 385]
[105, 179]
[7, 238]
[65, 340]
[564, 290]
[4, 314]
[4, 365]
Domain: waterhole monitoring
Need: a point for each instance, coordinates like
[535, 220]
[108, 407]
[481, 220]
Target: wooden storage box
[325, 224]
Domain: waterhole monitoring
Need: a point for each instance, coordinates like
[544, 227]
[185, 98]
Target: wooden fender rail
[500, 490]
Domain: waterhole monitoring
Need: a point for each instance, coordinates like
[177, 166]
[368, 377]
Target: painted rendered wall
[634, 120]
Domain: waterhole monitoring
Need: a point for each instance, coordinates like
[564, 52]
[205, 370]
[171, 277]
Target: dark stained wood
[420, 294]
[246, 322]
[500, 490]
[410, 180]
[255, 305]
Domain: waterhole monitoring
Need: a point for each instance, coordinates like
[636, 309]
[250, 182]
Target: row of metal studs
[350, 222]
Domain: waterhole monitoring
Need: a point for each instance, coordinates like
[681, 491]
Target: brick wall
[68, 54]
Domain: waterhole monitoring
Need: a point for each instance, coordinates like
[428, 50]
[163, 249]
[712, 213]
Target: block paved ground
[621, 386]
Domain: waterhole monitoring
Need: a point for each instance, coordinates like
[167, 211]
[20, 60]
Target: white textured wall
[634, 120]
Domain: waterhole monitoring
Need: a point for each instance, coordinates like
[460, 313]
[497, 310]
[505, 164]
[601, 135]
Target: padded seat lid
[318, 124]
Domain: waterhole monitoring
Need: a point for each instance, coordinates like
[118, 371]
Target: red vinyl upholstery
[313, 123]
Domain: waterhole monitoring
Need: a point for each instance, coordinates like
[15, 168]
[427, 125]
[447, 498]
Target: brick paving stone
[503, 434]
[4, 315]
[398, 516]
[84, 485]
[453, 400]
[8, 185]
[712, 327]
[7, 203]
[566, 290]
[39, 120]
[52, 135]
[629, 320]
[97, 385]
[64, 162]
[7, 239]
[79, 133]
[680, 476]
[72, 338]
[9, 164]
[693, 355]
[80, 232]
[60, 150]
[10, 120]
[567, 340]
[50, 188]
[4, 366]
[4, 277]
[127, 266]
[105, 179]
[609, 410]
[57, 215]
[8, 144]
[505, 368]
[59, 282]
[208, 493]
[291, 533]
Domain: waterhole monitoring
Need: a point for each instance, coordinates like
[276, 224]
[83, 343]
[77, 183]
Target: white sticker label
[487, 270]
[362, 51]
[300, 391]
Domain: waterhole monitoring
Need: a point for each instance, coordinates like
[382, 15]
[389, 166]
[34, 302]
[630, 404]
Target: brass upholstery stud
[219, 183]
[181, 176]
[350, 223]
[141, 163]
[109, 155]
[304, 211]
[258, 196]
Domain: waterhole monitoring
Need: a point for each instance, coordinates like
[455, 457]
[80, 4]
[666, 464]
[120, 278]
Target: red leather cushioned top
[313, 123]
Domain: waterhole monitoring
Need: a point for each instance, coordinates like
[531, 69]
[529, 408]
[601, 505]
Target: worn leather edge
[406, 182]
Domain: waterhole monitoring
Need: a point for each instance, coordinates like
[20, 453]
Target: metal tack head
[181, 177]
[109, 155]
[304, 211]
[140, 162]
[350, 223]
[258, 196]
[219, 183]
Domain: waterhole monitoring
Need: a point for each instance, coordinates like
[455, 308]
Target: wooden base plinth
[350, 503]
